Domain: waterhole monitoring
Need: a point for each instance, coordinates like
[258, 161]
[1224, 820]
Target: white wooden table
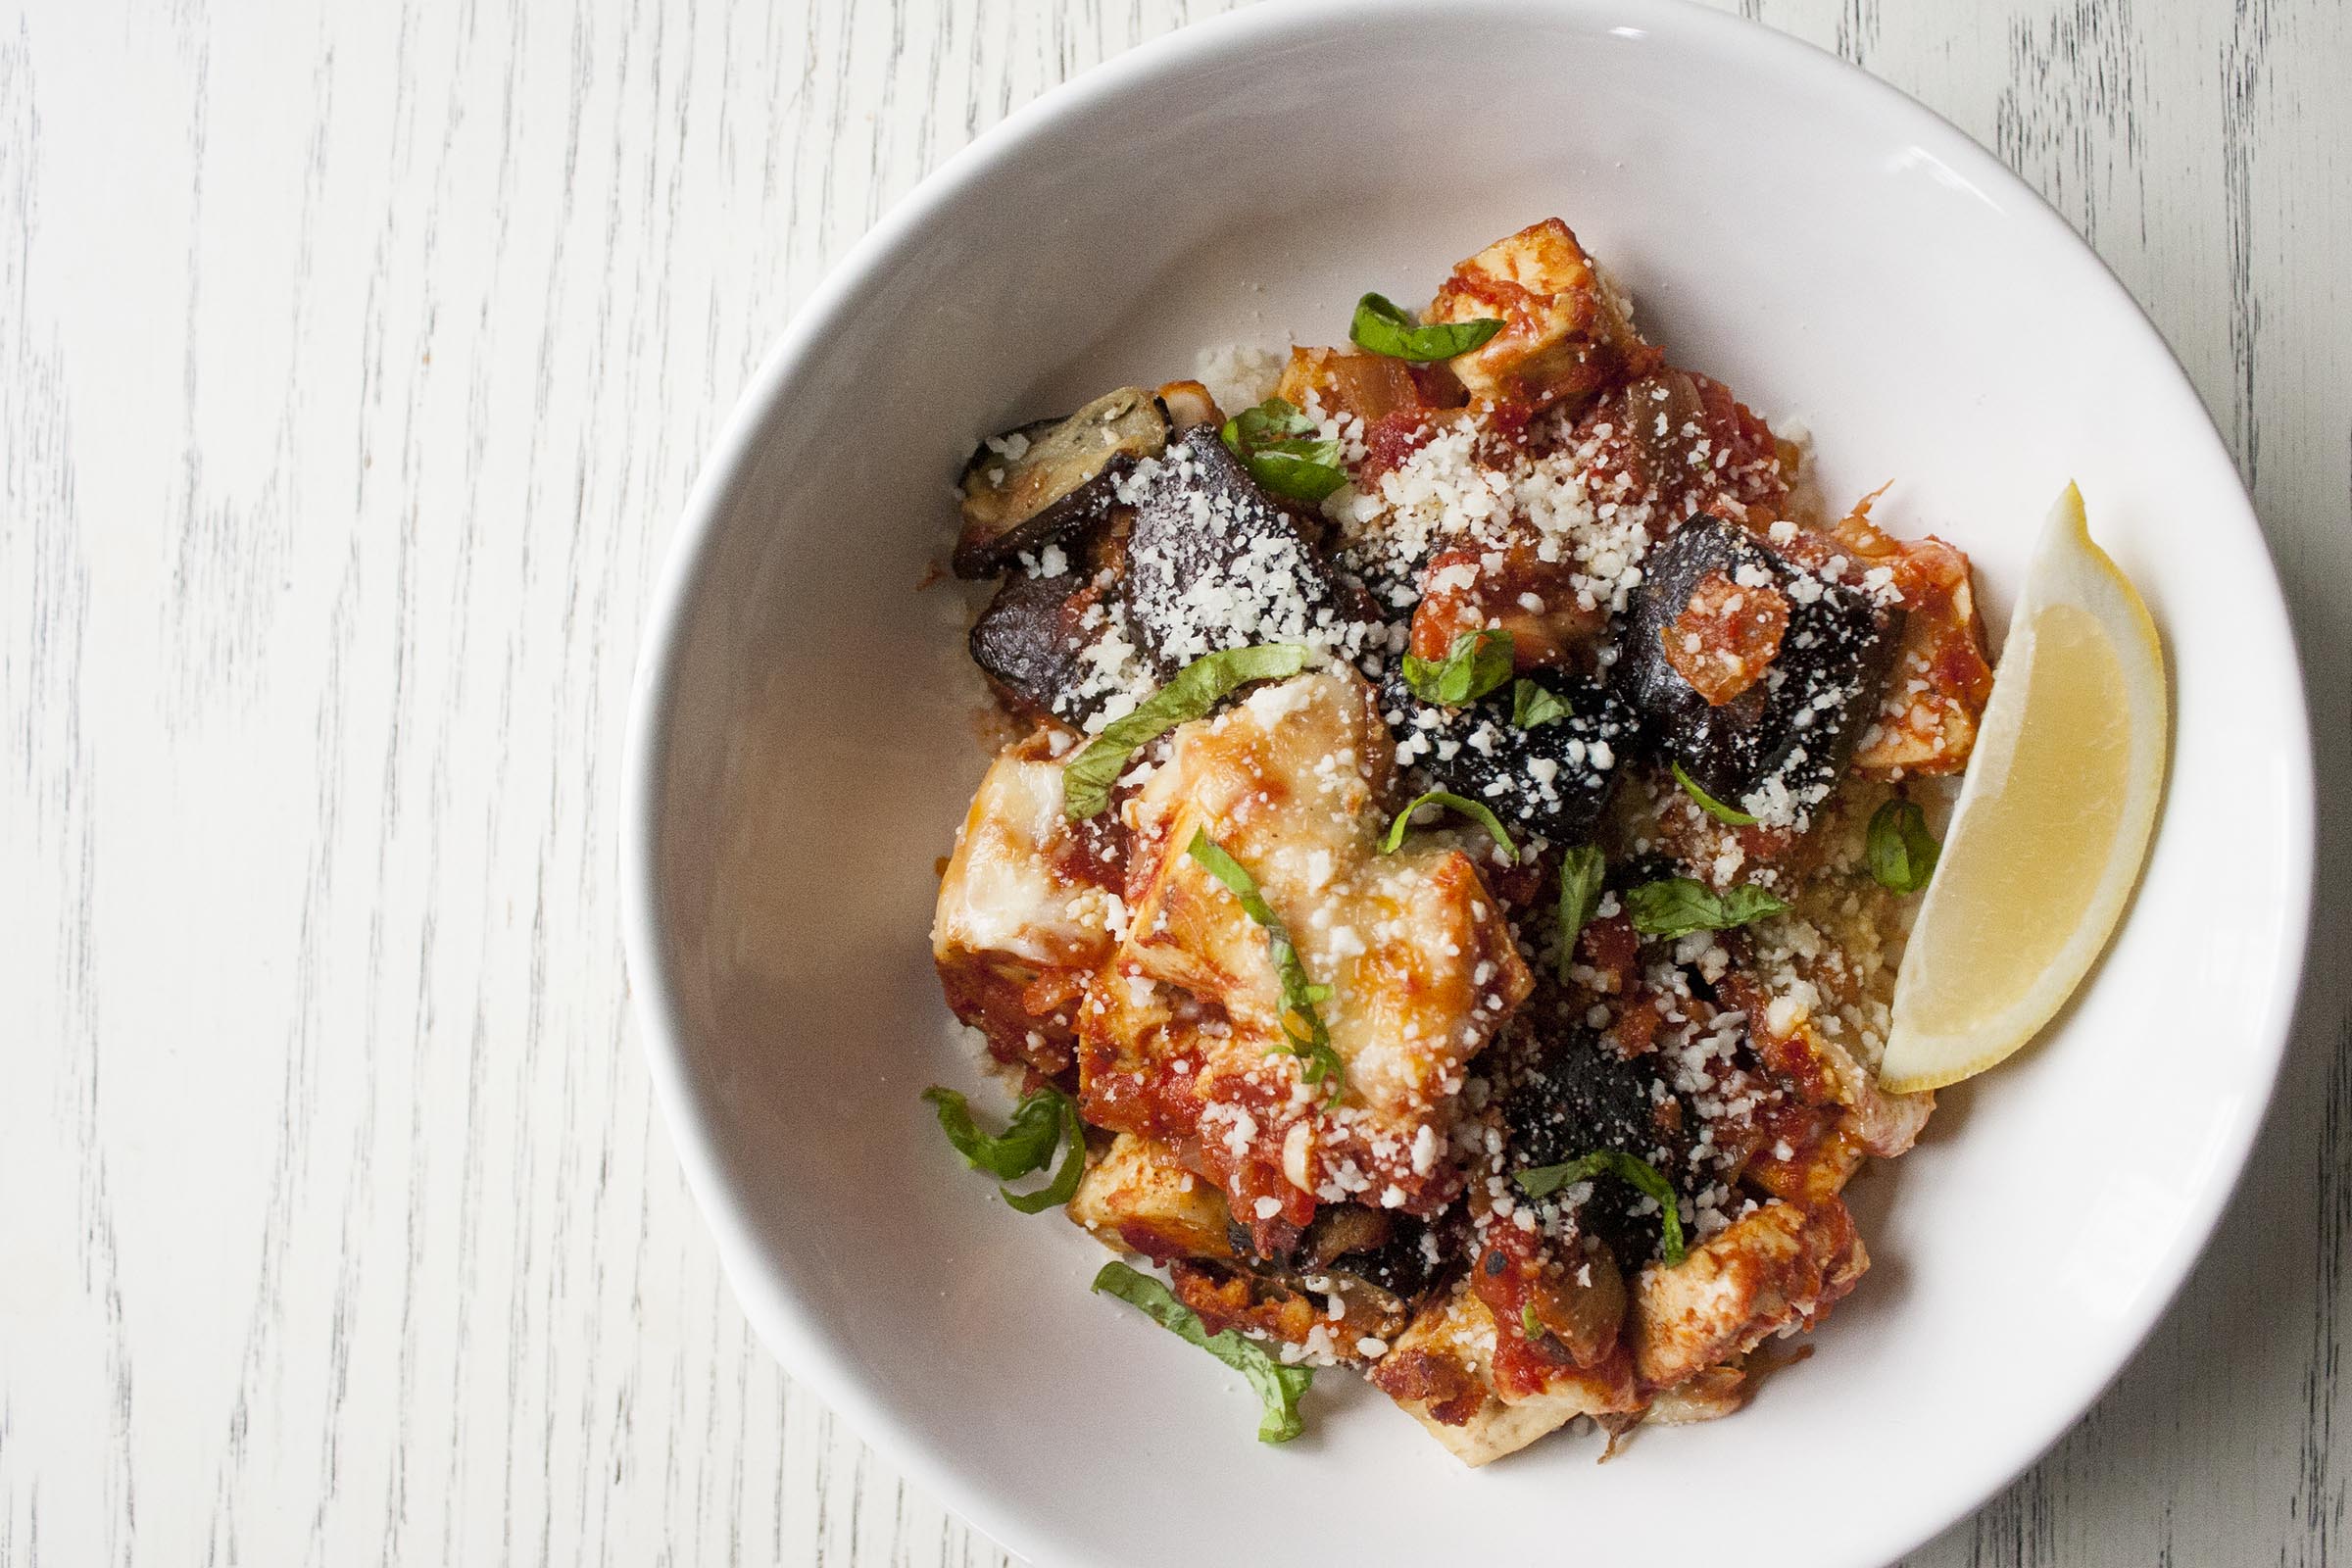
[355, 361]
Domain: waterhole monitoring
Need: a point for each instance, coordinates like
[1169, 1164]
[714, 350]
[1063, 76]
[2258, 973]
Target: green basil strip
[1308, 1040]
[1064, 1184]
[1581, 869]
[1026, 1145]
[1284, 454]
[1274, 420]
[1901, 852]
[1457, 803]
[1708, 803]
[1640, 1174]
[1476, 663]
[1383, 327]
[1529, 1324]
[1531, 706]
[1086, 778]
[1277, 1387]
[1676, 907]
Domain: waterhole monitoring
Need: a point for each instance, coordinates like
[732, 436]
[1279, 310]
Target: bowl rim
[796, 1337]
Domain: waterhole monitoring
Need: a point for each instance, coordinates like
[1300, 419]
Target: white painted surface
[354, 362]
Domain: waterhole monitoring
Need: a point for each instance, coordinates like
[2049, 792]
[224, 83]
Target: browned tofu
[1138, 1198]
[1937, 691]
[1566, 335]
[1440, 1372]
[1775, 1269]
[1707, 1395]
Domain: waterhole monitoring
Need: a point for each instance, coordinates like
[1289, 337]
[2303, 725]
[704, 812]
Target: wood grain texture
[355, 361]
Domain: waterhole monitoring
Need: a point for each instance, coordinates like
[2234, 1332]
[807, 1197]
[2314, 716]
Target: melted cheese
[1417, 953]
[1001, 895]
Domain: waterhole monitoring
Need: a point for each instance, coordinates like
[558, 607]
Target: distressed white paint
[354, 362]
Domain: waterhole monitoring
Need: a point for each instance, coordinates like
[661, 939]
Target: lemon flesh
[2052, 822]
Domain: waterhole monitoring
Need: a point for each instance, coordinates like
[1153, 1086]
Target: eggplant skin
[1800, 723]
[1027, 642]
[1395, 1266]
[1061, 477]
[1215, 563]
[1554, 780]
[1567, 1093]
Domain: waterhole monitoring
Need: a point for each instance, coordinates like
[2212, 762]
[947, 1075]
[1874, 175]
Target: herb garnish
[1902, 853]
[1278, 1386]
[1581, 871]
[1708, 803]
[1383, 327]
[1531, 706]
[1529, 1324]
[1476, 663]
[1302, 1025]
[1044, 1118]
[1284, 451]
[1086, 778]
[1676, 907]
[1468, 808]
[1640, 1174]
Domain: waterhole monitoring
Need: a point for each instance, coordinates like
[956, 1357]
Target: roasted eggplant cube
[1045, 481]
[1404, 1263]
[1553, 780]
[1377, 1259]
[1782, 741]
[1569, 1094]
[1213, 563]
[1030, 641]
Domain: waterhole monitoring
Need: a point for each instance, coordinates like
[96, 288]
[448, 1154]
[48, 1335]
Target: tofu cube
[1567, 335]
[1138, 1198]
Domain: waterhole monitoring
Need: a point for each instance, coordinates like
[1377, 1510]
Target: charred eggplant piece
[1403, 1267]
[1030, 639]
[1569, 1095]
[1213, 563]
[1793, 729]
[1047, 480]
[1553, 780]
[1376, 1258]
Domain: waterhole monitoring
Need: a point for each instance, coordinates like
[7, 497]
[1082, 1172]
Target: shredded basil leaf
[1282, 451]
[1064, 1184]
[1274, 420]
[1581, 869]
[1640, 1174]
[1383, 327]
[1026, 1143]
[1302, 1025]
[1476, 663]
[1676, 907]
[1531, 706]
[1277, 1387]
[1529, 1324]
[1468, 808]
[1901, 852]
[1086, 778]
[1044, 1118]
[1708, 803]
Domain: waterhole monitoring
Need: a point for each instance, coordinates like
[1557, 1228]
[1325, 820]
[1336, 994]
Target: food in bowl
[1443, 893]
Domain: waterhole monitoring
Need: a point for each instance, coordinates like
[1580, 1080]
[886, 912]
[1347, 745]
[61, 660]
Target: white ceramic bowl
[801, 749]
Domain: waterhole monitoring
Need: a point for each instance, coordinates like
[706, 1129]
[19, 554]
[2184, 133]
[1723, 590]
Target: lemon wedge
[2052, 821]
